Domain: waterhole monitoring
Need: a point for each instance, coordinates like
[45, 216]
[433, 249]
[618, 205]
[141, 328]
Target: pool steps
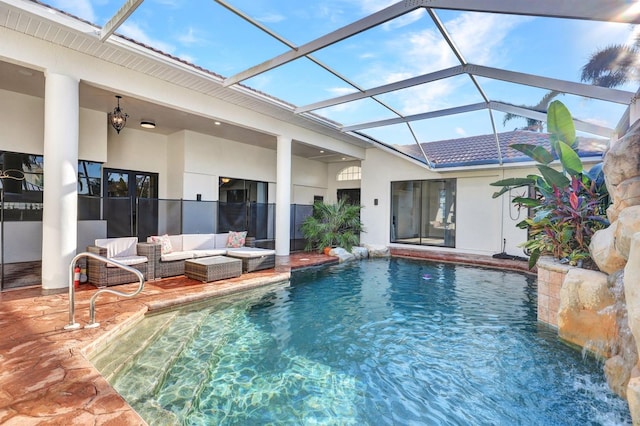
[121, 353]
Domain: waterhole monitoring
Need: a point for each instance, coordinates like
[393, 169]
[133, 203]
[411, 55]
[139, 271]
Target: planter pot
[327, 250]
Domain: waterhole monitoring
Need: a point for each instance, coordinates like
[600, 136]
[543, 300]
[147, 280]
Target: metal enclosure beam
[581, 89]
[347, 31]
[593, 10]
[583, 126]
[398, 85]
[422, 116]
[120, 16]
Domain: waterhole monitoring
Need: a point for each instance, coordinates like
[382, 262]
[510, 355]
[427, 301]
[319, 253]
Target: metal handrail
[92, 304]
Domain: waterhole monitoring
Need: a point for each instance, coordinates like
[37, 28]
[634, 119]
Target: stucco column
[60, 209]
[283, 196]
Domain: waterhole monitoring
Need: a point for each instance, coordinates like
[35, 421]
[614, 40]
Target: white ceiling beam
[422, 116]
[581, 89]
[624, 11]
[347, 31]
[583, 126]
[118, 19]
[398, 85]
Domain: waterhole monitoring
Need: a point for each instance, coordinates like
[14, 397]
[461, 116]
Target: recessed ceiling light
[217, 123]
[25, 72]
[322, 151]
[344, 158]
[148, 124]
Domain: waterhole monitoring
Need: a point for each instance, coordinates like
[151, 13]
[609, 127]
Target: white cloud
[339, 91]
[134, 31]
[367, 55]
[271, 18]
[371, 6]
[404, 20]
[79, 8]
[191, 38]
[171, 3]
[482, 35]
[460, 131]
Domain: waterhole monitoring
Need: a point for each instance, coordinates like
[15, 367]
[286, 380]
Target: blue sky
[205, 33]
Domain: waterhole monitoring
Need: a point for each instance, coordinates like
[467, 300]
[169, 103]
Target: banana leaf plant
[568, 205]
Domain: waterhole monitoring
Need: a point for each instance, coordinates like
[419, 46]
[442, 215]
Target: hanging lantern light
[117, 118]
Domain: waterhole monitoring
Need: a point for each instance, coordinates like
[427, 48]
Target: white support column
[283, 196]
[60, 210]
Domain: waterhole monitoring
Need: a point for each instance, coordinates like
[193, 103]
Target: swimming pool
[390, 341]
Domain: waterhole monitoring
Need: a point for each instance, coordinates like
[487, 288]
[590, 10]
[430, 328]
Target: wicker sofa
[170, 262]
[125, 250]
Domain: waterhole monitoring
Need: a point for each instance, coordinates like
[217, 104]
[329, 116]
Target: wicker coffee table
[207, 269]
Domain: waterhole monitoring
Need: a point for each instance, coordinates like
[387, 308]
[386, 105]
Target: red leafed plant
[568, 205]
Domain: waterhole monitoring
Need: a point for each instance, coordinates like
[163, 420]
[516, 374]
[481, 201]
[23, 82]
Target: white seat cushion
[221, 240]
[176, 242]
[249, 252]
[127, 260]
[208, 253]
[176, 255]
[119, 247]
[198, 242]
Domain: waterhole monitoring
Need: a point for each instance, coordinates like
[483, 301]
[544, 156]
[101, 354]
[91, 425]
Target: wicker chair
[101, 275]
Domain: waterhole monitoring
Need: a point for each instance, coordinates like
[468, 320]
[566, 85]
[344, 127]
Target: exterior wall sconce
[118, 118]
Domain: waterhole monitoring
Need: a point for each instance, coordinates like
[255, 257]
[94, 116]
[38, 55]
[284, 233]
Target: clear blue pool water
[378, 342]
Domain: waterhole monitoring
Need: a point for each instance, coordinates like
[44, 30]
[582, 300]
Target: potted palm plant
[332, 225]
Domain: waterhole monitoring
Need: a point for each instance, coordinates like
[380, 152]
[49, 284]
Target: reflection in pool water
[371, 342]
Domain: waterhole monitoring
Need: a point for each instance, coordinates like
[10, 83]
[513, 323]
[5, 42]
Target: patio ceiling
[435, 73]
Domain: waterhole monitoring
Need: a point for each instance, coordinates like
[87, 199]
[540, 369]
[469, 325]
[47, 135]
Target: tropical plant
[568, 205]
[333, 225]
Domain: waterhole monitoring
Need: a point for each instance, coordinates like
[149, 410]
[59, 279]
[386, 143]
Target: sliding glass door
[423, 212]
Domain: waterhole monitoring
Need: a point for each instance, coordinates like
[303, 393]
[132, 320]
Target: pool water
[378, 342]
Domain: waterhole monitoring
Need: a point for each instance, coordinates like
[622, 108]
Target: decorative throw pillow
[165, 243]
[236, 239]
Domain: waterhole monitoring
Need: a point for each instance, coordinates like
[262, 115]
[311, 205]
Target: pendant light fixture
[117, 118]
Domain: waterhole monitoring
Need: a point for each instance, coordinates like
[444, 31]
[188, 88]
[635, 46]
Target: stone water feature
[600, 310]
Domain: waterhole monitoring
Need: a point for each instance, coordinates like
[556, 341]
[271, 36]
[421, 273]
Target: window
[423, 212]
[89, 178]
[23, 186]
[350, 173]
[89, 190]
